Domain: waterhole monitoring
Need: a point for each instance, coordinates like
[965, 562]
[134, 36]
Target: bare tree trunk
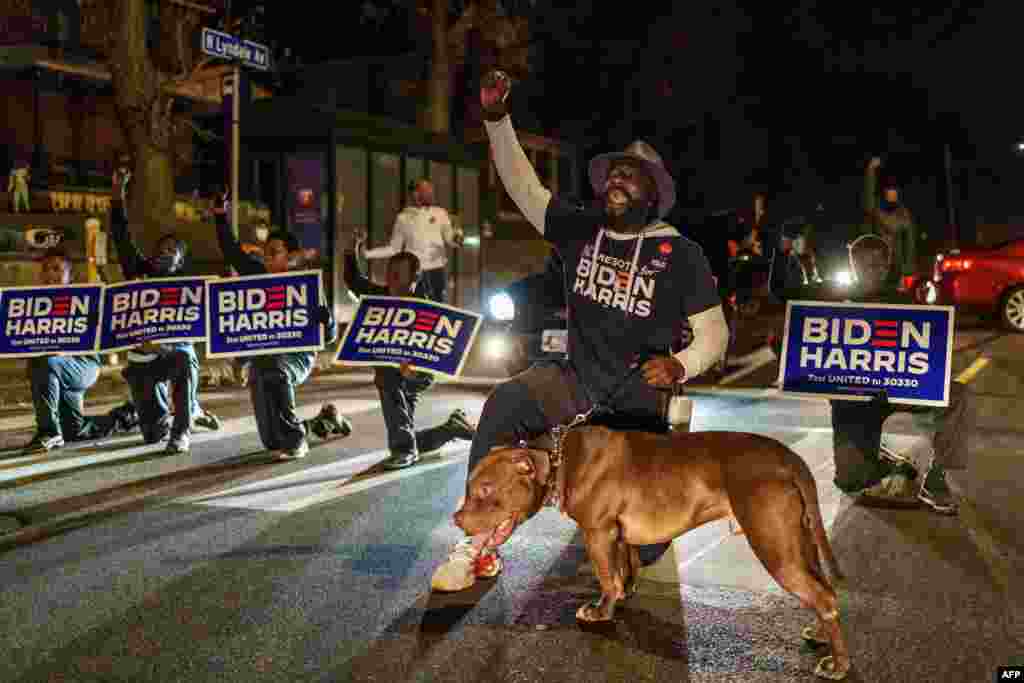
[144, 111]
[438, 110]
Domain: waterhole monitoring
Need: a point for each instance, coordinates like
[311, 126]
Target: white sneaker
[300, 451]
[895, 490]
[458, 572]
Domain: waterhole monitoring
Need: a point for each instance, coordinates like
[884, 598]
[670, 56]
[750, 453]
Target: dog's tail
[812, 516]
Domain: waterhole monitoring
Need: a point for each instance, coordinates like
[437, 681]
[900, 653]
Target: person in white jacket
[632, 281]
[426, 230]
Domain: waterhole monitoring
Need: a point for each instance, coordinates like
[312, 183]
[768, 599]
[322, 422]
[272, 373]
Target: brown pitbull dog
[626, 489]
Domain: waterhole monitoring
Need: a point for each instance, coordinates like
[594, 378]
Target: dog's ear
[524, 464]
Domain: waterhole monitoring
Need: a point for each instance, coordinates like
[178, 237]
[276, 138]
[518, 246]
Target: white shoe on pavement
[300, 451]
[458, 572]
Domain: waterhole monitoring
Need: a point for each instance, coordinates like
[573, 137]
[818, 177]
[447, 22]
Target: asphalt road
[226, 565]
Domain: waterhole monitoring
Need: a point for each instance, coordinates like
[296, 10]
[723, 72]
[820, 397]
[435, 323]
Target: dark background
[745, 96]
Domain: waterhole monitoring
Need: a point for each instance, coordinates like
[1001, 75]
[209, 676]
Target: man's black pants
[548, 394]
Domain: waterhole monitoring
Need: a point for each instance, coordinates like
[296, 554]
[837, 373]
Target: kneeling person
[400, 388]
[273, 377]
[59, 384]
[863, 467]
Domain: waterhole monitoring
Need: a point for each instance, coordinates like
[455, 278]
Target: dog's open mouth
[502, 533]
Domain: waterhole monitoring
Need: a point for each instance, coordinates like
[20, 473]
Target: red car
[985, 279]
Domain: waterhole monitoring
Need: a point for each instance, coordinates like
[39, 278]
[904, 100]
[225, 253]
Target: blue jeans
[58, 385]
[148, 384]
[272, 382]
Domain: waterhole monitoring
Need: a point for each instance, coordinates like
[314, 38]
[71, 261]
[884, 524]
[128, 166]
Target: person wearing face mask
[876, 476]
[59, 384]
[152, 366]
[426, 230]
[887, 217]
[273, 377]
[400, 388]
[632, 280]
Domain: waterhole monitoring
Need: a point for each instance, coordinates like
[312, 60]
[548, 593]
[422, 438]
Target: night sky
[744, 96]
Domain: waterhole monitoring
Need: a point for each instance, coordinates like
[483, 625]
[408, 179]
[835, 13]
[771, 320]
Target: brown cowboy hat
[642, 153]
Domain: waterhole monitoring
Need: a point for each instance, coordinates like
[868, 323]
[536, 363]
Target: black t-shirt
[611, 326]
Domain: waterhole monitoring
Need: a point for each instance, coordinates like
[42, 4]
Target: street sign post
[226, 46]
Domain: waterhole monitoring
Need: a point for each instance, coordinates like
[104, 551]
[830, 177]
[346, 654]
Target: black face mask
[166, 264]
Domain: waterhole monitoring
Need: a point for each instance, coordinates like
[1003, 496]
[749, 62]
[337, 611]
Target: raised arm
[234, 255]
[131, 259]
[517, 174]
[356, 281]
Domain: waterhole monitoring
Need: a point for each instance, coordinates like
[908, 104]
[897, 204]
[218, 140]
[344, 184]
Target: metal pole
[235, 152]
[951, 212]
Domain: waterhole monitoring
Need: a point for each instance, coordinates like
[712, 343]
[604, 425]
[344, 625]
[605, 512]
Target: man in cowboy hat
[632, 280]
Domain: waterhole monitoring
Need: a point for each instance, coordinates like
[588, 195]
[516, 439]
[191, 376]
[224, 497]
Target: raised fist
[494, 89]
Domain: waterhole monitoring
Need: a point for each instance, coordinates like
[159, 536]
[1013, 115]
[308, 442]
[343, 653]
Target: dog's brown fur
[626, 489]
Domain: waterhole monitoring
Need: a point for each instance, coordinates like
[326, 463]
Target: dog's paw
[828, 668]
[814, 636]
[593, 612]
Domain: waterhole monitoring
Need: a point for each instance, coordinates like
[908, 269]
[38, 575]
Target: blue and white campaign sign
[158, 309]
[852, 351]
[40, 321]
[261, 314]
[431, 337]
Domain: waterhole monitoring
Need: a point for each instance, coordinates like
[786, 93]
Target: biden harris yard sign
[171, 309]
[431, 337]
[39, 321]
[261, 314]
[852, 351]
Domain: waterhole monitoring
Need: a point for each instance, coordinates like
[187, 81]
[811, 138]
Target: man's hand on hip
[663, 371]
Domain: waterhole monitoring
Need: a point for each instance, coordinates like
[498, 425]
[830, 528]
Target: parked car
[989, 280]
[526, 321]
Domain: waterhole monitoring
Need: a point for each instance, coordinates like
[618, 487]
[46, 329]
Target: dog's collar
[556, 480]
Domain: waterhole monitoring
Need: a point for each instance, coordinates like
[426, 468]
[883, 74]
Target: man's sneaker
[177, 444]
[207, 420]
[400, 460]
[301, 450]
[329, 421]
[935, 492]
[459, 426]
[895, 490]
[459, 571]
[488, 565]
[44, 443]
[125, 417]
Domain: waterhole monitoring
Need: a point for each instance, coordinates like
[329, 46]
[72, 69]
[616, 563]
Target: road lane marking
[31, 468]
[751, 362]
[299, 490]
[973, 369]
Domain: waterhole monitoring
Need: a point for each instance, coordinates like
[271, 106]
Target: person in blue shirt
[273, 377]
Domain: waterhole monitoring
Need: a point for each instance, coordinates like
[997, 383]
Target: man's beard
[633, 218]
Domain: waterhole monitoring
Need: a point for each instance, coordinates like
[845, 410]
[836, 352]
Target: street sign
[227, 46]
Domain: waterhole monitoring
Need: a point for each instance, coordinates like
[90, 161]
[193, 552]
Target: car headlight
[496, 347]
[844, 278]
[502, 307]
